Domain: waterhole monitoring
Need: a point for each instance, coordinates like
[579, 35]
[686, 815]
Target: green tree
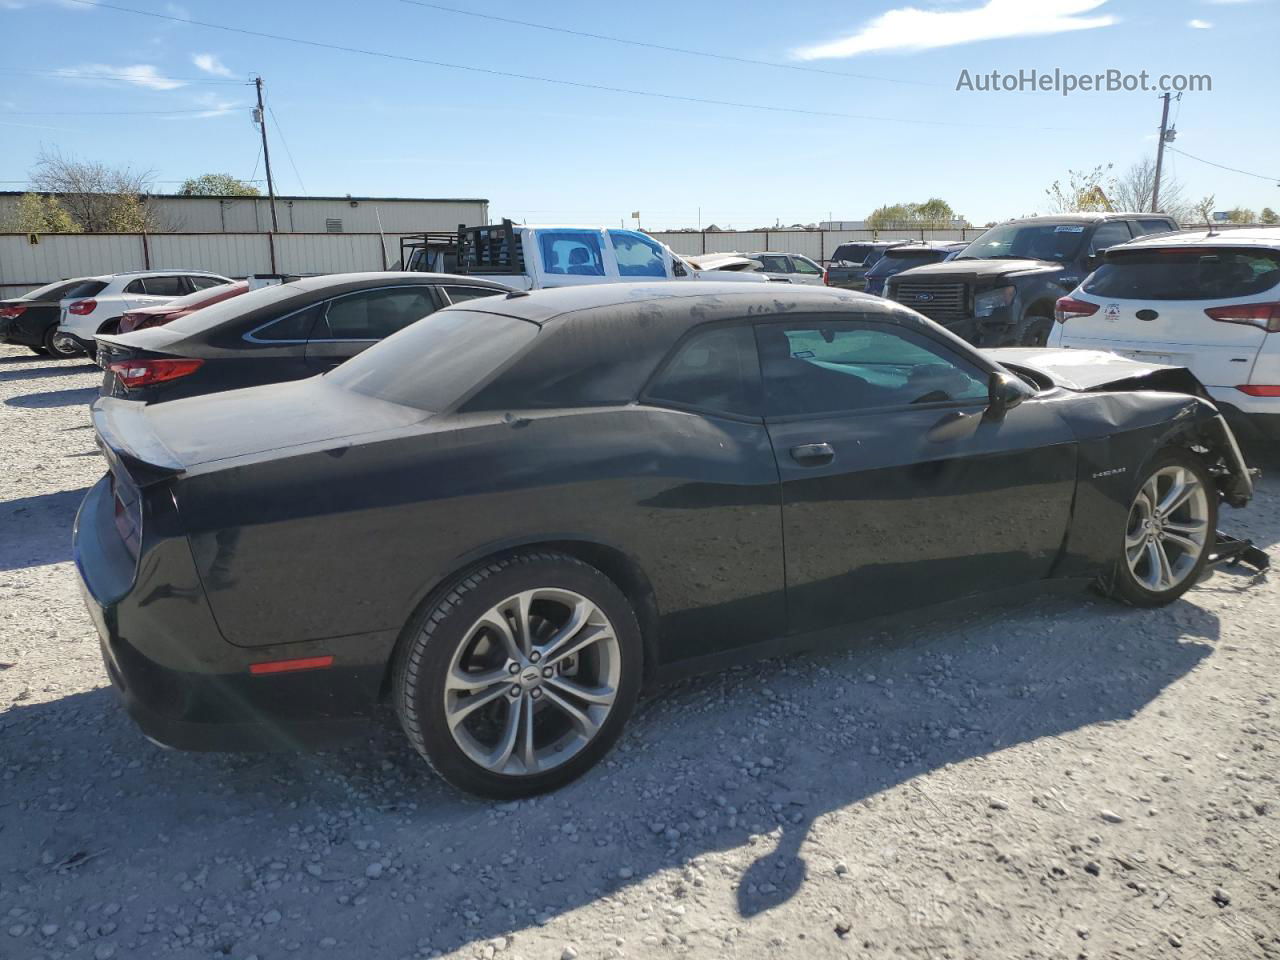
[38, 213]
[98, 198]
[1269, 217]
[1242, 215]
[218, 185]
[935, 213]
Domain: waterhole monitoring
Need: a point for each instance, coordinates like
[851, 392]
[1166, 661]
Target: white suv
[1206, 301]
[81, 319]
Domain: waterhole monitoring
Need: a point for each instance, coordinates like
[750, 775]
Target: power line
[658, 46]
[1221, 166]
[578, 84]
[287, 152]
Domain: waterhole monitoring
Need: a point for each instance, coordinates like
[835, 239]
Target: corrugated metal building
[180, 214]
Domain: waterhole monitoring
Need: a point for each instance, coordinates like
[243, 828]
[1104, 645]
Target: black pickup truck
[1000, 290]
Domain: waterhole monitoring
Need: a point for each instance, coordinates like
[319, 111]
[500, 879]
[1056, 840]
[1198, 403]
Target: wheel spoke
[1188, 546]
[528, 755]
[1137, 538]
[507, 743]
[578, 617]
[460, 679]
[524, 629]
[1183, 486]
[469, 705]
[602, 696]
[581, 718]
[496, 622]
[585, 638]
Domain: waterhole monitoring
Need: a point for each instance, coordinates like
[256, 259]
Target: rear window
[1201, 273]
[219, 313]
[894, 262]
[51, 291]
[853, 253]
[433, 363]
[87, 288]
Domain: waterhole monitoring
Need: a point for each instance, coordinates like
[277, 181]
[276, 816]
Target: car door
[897, 491]
[805, 270]
[355, 321]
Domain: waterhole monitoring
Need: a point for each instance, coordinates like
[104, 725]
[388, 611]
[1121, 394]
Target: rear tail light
[826, 276]
[1068, 307]
[151, 320]
[143, 373]
[83, 308]
[1264, 315]
[1260, 389]
[128, 513]
[9, 313]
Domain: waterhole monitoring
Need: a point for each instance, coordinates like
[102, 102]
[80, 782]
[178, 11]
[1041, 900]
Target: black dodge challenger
[509, 517]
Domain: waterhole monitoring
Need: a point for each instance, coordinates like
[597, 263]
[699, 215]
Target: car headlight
[985, 304]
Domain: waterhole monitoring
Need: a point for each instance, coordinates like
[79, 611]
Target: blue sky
[549, 152]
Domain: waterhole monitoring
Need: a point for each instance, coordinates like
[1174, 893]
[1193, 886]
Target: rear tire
[1169, 532]
[520, 676]
[1034, 331]
[52, 349]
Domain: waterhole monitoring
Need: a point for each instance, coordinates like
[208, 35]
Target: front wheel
[1033, 331]
[520, 678]
[1169, 532]
[53, 348]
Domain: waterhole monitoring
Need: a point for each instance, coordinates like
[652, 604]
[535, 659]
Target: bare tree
[1132, 191]
[1203, 209]
[101, 199]
[1085, 190]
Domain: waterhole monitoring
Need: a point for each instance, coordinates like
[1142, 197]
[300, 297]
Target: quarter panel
[347, 540]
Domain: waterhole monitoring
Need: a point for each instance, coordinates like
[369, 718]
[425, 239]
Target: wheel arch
[616, 564]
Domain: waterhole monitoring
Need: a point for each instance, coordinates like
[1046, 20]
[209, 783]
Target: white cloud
[209, 63]
[215, 105]
[138, 74]
[1200, 24]
[909, 29]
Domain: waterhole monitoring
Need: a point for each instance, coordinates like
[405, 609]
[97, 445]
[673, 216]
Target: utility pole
[266, 155]
[1164, 123]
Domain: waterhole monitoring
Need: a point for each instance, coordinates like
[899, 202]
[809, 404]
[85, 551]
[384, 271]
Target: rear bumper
[181, 682]
[23, 331]
[88, 347]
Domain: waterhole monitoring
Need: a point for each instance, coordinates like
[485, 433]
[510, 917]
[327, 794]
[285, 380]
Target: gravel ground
[1065, 778]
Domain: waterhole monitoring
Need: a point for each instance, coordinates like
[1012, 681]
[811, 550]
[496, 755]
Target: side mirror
[1004, 392]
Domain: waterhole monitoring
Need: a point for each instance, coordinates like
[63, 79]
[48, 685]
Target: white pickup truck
[536, 257]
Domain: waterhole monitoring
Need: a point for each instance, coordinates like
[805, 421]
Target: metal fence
[25, 264]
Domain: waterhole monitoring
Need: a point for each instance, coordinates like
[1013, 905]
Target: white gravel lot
[1067, 778]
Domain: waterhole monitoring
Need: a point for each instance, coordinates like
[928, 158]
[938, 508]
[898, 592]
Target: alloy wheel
[532, 681]
[1168, 528]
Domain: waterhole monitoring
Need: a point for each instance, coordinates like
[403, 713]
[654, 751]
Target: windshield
[897, 261]
[51, 291]
[1028, 241]
[431, 364]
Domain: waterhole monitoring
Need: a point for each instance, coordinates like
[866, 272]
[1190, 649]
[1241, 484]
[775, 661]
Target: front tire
[520, 677]
[1169, 532]
[1034, 331]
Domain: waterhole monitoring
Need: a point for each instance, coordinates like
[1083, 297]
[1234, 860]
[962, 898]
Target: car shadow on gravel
[747, 763]
[55, 398]
[37, 530]
[10, 375]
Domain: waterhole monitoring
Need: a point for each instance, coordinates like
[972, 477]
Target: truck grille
[937, 301]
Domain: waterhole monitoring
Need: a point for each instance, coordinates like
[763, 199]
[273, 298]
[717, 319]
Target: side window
[1142, 228]
[1108, 235]
[637, 255]
[774, 264]
[715, 370]
[463, 294]
[843, 365]
[164, 286]
[374, 314]
[135, 286]
[575, 252]
[292, 327]
[204, 283]
[804, 265]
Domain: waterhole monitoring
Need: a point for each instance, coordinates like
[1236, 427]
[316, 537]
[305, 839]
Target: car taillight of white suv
[1208, 302]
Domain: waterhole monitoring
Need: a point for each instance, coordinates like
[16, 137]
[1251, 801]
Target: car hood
[985, 269]
[1086, 370]
[178, 436]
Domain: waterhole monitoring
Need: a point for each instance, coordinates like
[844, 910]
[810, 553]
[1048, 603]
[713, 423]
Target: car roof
[328, 280]
[1244, 237]
[1086, 217]
[544, 306]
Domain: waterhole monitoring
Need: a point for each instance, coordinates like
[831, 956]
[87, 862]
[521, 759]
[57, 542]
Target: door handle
[813, 454]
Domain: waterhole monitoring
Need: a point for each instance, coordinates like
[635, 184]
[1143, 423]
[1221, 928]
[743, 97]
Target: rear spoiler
[128, 442]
